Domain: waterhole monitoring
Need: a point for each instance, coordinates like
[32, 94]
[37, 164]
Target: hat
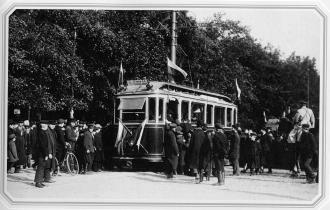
[60, 121]
[71, 120]
[218, 126]
[52, 122]
[11, 136]
[90, 125]
[302, 102]
[199, 123]
[26, 123]
[98, 126]
[11, 122]
[44, 122]
[173, 125]
[305, 126]
[179, 130]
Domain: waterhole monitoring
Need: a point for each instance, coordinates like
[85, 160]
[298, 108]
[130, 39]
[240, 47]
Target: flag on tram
[172, 65]
[238, 90]
[139, 134]
[121, 135]
[121, 75]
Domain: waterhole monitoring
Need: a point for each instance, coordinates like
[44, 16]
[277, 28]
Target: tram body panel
[153, 103]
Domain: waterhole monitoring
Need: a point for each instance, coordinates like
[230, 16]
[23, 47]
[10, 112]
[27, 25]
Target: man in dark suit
[197, 140]
[89, 146]
[266, 145]
[70, 135]
[98, 159]
[220, 149]
[234, 151]
[45, 154]
[307, 146]
[171, 151]
[60, 140]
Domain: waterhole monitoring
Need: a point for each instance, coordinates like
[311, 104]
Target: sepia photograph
[109, 105]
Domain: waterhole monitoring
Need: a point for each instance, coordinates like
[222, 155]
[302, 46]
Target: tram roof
[140, 87]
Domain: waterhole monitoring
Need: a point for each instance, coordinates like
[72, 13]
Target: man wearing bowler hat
[45, 155]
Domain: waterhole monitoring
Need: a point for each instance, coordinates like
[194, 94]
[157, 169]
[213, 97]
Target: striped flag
[172, 65]
[238, 90]
[121, 75]
[121, 135]
[141, 128]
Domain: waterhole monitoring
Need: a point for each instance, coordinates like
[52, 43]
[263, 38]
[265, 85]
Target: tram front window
[133, 109]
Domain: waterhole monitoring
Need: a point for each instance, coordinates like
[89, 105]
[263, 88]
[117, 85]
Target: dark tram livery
[143, 108]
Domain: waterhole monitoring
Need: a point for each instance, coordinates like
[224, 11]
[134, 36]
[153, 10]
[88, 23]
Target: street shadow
[13, 178]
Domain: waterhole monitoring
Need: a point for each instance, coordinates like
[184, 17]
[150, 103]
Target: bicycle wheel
[72, 164]
[57, 168]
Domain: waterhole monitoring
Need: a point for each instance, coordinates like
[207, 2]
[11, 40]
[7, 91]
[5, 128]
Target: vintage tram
[143, 108]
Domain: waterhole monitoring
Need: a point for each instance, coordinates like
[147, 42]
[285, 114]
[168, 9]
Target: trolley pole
[174, 37]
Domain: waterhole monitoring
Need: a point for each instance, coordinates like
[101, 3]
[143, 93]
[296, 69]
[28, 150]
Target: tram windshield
[133, 109]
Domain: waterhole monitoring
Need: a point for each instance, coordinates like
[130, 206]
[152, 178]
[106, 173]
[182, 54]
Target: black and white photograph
[215, 105]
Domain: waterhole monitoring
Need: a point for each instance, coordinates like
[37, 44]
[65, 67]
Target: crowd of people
[42, 142]
[198, 151]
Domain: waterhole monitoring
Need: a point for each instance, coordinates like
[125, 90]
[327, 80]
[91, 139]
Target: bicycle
[69, 165]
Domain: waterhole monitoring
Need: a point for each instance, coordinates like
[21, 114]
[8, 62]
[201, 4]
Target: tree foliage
[60, 59]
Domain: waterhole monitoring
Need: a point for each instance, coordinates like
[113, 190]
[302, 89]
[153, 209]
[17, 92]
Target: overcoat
[196, 142]
[307, 145]
[171, 149]
[20, 146]
[234, 152]
[60, 140]
[44, 146]
[99, 147]
[205, 155]
[12, 152]
[220, 145]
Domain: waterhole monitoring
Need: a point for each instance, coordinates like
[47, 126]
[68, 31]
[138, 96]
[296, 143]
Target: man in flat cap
[220, 149]
[171, 151]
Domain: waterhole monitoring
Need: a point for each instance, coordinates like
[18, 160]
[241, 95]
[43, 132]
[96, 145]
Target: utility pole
[174, 38]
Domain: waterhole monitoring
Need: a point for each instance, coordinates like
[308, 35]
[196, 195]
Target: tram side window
[197, 112]
[152, 109]
[209, 114]
[229, 117]
[219, 114]
[161, 110]
[172, 110]
[184, 111]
